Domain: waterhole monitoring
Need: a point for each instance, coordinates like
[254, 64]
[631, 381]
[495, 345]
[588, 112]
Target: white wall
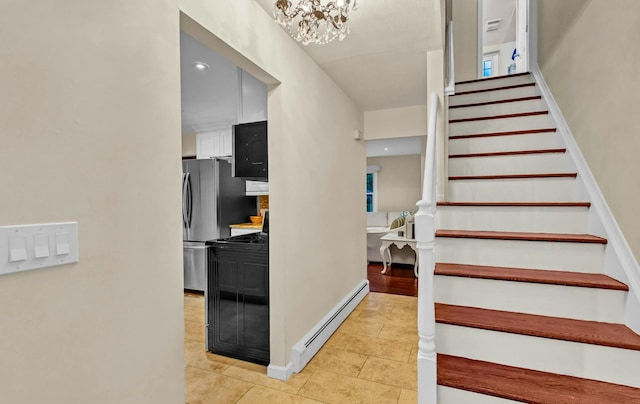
[311, 159]
[189, 145]
[592, 74]
[90, 131]
[395, 122]
[505, 50]
[399, 184]
[465, 39]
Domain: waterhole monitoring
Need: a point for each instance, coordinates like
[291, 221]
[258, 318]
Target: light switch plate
[27, 247]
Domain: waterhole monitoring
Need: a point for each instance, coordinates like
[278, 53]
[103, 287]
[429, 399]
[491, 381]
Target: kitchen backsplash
[263, 202]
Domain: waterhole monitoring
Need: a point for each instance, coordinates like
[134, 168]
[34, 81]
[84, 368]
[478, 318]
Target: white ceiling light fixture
[317, 23]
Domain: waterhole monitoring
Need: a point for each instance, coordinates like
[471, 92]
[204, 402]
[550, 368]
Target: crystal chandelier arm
[316, 23]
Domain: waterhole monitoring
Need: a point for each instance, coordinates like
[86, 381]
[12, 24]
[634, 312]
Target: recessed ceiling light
[200, 65]
[386, 148]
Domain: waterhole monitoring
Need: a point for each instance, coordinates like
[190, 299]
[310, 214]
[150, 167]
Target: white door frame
[522, 36]
[480, 53]
[526, 40]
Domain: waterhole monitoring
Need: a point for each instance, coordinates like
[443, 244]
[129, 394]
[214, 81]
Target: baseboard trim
[280, 372]
[622, 254]
[310, 344]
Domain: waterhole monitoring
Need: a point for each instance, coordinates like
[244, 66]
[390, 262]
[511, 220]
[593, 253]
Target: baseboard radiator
[310, 344]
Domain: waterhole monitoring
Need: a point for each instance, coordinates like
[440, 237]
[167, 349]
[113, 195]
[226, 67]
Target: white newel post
[425, 243]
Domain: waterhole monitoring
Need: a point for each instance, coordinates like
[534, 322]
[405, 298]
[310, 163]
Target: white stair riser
[588, 361]
[543, 163]
[493, 83]
[534, 141]
[449, 395]
[497, 109]
[497, 95]
[560, 256]
[549, 219]
[513, 190]
[500, 125]
[533, 298]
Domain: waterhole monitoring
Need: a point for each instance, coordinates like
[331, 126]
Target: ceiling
[505, 10]
[382, 63]
[394, 147]
[209, 96]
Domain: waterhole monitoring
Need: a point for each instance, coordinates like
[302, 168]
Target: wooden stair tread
[504, 235]
[530, 386]
[479, 104]
[492, 78]
[587, 280]
[583, 331]
[504, 116]
[512, 176]
[486, 90]
[532, 204]
[508, 153]
[508, 133]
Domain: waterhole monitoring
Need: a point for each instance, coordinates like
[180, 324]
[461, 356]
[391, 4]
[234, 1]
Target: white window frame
[494, 57]
[373, 170]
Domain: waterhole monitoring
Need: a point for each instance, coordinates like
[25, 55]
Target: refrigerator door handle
[184, 200]
[189, 201]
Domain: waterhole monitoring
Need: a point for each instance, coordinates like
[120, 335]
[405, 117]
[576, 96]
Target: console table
[385, 249]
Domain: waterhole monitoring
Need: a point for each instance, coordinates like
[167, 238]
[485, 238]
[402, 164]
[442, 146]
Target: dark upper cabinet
[250, 152]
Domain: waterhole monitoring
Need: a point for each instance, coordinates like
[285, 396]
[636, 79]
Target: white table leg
[385, 268]
[415, 265]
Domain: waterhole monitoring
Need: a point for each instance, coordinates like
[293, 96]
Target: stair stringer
[619, 261]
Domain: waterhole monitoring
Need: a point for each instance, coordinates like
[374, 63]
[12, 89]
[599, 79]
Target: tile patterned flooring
[370, 359]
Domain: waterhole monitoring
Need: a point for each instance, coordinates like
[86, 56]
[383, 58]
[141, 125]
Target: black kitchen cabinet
[238, 292]
[250, 151]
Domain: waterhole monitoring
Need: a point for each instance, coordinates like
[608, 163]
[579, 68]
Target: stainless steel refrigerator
[211, 200]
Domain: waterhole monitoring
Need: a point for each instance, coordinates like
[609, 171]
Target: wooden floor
[398, 281]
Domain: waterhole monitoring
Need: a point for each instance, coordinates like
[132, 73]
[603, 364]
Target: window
[370, 192]
[372, 188]
[490, 64]
[487, 68]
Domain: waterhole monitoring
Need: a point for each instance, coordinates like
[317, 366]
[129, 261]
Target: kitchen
[225, 197]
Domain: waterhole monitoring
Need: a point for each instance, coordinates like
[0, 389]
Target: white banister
[450, 89]
[425, 242]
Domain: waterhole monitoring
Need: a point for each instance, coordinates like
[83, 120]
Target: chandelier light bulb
[309, 21]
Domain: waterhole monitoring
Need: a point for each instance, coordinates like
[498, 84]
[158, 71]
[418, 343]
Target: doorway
[502, 37]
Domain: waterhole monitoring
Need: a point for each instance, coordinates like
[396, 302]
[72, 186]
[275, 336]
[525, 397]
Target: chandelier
[316, 23]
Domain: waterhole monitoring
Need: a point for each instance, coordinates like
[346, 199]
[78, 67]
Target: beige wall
[592, 72]
[395, 122]
[465, 39]
[90, 132]
[88, 89]
[399, 185]
[189, 145]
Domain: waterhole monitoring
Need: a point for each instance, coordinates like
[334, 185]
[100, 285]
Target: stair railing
[450, 89]
[425, 243]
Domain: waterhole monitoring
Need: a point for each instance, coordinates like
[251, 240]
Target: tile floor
[370, 359]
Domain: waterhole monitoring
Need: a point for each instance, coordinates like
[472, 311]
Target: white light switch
[41, 245]
[62, 243]
[37, 246]
[17, 249]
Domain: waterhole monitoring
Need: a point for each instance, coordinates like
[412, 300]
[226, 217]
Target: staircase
[524, 312]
